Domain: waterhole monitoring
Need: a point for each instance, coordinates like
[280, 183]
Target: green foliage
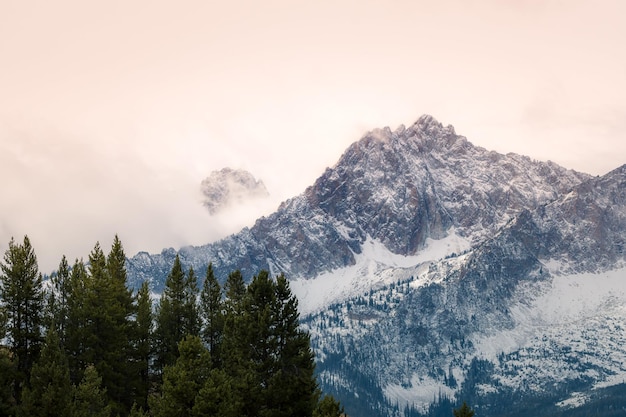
[50, 391]
[7, 380]
[107, 353]
[217, 397]
[328, 407]
[212, 315]
[90, 398]
[76, 328]
[22, 297]
[463, 411]
[183, 380]
[109, 326]
[143, 346]
[58, 293]
[177, 314]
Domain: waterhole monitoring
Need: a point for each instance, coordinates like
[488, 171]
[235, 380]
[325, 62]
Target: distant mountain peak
[228, 187]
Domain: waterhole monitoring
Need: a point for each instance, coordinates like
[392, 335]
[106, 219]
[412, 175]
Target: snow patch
[420, 394]
[375, 267]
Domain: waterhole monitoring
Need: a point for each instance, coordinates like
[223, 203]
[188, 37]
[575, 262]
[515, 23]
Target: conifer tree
[211, 309]
[108, 323]
[176, 316]
[260, 343]
[328, 407]
[183, 380]
[7, 372]
[76, 329]
[137, 411]
[50, 391]
[235, 357]
[217, 397]
[90, 397]
[22, 297]
[121, 377]
[292, 387]
[143, 345]
[192, 321]
[463, 411]
[58, 297]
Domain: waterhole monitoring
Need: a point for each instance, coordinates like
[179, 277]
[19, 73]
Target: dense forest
[83, 343]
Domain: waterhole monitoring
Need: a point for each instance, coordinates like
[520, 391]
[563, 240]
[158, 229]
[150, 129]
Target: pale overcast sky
[112, 112]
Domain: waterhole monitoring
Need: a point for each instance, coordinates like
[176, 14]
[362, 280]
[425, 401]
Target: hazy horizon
[113, 112]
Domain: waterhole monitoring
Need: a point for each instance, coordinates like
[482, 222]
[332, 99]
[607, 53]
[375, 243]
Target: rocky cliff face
[532, 316]
[400, 188]
[432, 270]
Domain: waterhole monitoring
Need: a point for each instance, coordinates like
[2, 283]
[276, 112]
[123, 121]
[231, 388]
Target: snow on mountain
[537, 310]
[398, 188]
[429, 269]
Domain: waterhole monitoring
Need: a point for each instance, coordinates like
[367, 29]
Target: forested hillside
[84, 344]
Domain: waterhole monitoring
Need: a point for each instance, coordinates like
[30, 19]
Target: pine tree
[328, 407]
[176, 317]
[292, 387]
[7, 372]
[211, 309]
[183, 380]
[137, 411]
[90, 397]
[235, 355]
[260, 343]
[143, 345]
[76, 328]
[107, 317]
[463, 411]
[58, 297]
[22, 297]
[192, 320]
[50, 392]
[121, 377]
[217, 397]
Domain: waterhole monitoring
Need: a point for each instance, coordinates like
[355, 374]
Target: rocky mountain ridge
[401, 187]
[534, 315]
[431, 270]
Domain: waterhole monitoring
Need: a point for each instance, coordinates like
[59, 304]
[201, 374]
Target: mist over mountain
[231, 187]
[431, 271]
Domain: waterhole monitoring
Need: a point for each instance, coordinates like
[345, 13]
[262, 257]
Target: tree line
[83, 343]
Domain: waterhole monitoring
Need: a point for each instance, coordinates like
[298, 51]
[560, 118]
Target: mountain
[228, 187]
[534, 315]
[431, 271]
[400, 188]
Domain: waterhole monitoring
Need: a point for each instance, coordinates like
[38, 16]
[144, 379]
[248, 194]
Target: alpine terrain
[430, 271]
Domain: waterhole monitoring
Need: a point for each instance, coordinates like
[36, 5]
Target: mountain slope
[430, 270]
[530, 315]
[400, 188]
